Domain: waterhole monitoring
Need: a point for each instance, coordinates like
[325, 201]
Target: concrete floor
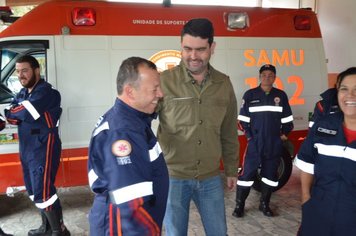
[18, 214]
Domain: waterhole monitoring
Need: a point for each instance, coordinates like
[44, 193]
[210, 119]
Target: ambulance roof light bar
[83, 16]
[237, 20]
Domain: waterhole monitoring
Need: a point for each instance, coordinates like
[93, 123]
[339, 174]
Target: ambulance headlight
[237, 20]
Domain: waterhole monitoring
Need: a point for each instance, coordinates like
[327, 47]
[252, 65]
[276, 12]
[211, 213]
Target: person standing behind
[327, 160]
[266, 119]
[327, 105]
[126, 168]
[2, 126]
[197, 129]
[36, 111]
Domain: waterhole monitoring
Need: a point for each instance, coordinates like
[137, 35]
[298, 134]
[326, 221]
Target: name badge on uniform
[254, 101]
[327, 131]
[122, 150]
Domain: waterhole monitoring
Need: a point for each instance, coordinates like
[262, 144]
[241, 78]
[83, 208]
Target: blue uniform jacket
[331, 210]
[37, 114]
[128, 173]
[265, 116]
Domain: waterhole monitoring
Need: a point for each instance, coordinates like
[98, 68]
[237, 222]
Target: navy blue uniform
[331, 210]
[327, 105]
[264, 118]
[128, 173]
[37, 115]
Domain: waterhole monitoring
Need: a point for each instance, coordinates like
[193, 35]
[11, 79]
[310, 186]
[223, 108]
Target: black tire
[284, 172]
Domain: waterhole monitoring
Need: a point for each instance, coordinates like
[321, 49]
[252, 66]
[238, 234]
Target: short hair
[30, 60]
[199, 27]
[342, 75]
[129, 74]
[268, 67]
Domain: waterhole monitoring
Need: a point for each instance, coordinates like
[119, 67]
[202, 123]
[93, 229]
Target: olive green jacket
[197, 127]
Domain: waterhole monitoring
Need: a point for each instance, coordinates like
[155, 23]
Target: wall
[338, 25]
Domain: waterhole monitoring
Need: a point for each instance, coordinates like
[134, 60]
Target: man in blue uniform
[36, 110]
[126, 167]
[266, 119]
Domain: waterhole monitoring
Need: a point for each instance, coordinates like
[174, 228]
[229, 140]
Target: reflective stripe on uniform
[31, 109]
[131, 192]
[304, 166]
[155, 152]
[269, 182]
[244, 118]
[244, 183]
[336, 151]
[265, 108]
[287, 119]
[102, 127]
[47, 203]
[92, 177]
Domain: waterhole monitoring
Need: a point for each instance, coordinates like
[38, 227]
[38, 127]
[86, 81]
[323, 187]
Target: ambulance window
[9, 52]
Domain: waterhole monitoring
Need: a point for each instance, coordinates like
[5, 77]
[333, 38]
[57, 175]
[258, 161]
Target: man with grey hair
[127, 171]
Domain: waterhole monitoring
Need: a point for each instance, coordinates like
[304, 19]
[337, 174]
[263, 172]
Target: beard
[31, 82]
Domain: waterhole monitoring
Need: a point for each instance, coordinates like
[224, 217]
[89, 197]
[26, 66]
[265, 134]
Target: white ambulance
[80, 45]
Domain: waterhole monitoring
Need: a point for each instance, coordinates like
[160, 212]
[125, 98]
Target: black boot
[241, 195]
[2, 233]
[43, 230]
[266, 192]
[54, 218]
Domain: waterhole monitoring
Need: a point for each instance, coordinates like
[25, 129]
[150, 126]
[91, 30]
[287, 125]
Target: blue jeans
[208, 196]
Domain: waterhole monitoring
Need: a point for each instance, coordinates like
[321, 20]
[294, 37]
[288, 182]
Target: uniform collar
[36, 85]
[126, 108]
[272, 89]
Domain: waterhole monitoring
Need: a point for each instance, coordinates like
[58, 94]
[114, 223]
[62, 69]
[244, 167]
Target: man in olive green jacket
[197, 129]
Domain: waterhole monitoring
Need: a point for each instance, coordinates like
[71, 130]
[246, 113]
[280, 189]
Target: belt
[38, 131]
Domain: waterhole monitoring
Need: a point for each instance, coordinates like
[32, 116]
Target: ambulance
[80, 45]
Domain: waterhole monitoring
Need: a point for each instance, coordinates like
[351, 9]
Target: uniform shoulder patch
[121, 148]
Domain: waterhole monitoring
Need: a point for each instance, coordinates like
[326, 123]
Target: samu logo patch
[122, 150]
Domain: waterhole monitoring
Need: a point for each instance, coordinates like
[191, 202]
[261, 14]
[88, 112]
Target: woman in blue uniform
[327, 160]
